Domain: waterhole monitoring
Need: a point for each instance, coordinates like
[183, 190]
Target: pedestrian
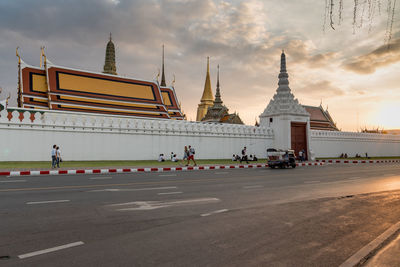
[59, 159]
[174, 158]
[54, 156]
[191, 156]
[244, 156]
[301, 155]
[185, 155]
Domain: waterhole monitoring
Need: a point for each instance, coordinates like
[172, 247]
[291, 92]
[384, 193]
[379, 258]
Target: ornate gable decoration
[283, 102]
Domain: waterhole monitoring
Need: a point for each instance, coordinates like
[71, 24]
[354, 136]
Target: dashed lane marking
[221, 172]
[44, 251]
[167, 175]
[100, 178]
[252, 186]
[13, 181]
[133, 189]
[213, 212]
[48, 201]
[170, 193]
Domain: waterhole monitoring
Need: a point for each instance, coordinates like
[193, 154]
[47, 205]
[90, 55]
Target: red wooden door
[299, 138]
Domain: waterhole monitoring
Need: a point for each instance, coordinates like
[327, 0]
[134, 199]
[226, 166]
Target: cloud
[303, 52]
[380, 57]
[324, 89]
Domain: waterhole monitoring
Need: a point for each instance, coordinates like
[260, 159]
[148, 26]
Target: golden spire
[207, 93]
[207, 100]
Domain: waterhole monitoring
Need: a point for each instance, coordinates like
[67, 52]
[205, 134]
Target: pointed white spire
[283, 101]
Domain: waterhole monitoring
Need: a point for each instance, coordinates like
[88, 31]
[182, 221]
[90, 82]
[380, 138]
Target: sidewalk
[388, 256]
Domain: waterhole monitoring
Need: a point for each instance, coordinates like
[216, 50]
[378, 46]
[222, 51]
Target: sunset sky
[354, 74]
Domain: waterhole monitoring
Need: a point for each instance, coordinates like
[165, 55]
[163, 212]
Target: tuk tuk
[281, 158]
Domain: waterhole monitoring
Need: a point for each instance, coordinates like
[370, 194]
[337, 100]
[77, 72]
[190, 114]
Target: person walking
[185, 155]
[244, 155]
[191, 156]
[58, 153]
[54, 156]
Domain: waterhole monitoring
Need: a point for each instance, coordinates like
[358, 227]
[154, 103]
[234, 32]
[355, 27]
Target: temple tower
[109, 65]
[162, 68]
[207, 100]
[286, 116]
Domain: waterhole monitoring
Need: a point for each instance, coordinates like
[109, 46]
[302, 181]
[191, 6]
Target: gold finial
[208, 64]
[17, 54]
[110, 36]
[8, 98]
[173, 81]
[158, 75]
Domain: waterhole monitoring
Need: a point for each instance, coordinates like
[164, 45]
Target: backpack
[192, 151]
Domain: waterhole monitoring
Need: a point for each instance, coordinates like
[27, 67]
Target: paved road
[316, 216]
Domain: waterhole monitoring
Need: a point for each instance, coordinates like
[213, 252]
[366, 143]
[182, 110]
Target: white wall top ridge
[283, 102]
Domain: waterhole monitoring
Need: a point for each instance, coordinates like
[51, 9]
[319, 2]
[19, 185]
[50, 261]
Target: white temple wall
[333, 144]
[100, 137]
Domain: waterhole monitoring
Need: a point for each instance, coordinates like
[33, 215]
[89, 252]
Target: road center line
[252, 186]
[40, 252]
[100, 178]
[213, 212]
[133, 189]
[166, 175]
[49, 201]
[13, 181]
[170, 193]
[221, 172]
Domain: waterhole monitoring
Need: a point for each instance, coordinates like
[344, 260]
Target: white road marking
[221, 172]
[170, 193]
[166, 175]
[311, 182]
[49, 201]
[133, 189]
[213, 212]
[13, 181]
[40, 252]
[100, 178]
[151, 205]
[252, 186]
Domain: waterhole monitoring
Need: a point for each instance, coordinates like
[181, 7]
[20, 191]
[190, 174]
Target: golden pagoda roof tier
[207, 93]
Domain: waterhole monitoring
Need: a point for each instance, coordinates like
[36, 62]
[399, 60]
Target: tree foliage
[364, 12]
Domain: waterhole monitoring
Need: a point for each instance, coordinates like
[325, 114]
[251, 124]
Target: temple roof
[219, 112]
[320, 119]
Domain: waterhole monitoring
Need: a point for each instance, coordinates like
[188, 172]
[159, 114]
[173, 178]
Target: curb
[372, 247]
[133, 170]
[357, 161]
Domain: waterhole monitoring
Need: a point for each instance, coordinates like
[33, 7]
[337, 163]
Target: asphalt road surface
[308, 216]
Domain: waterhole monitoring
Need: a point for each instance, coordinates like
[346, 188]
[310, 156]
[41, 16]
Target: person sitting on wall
[345, 155]
[341, 156]
[172, 155]
[255, 158]
[233, 157]
[161, 158]
[251, 157]
[174, 158]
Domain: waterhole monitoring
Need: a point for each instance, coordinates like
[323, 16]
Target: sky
[350, 70]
